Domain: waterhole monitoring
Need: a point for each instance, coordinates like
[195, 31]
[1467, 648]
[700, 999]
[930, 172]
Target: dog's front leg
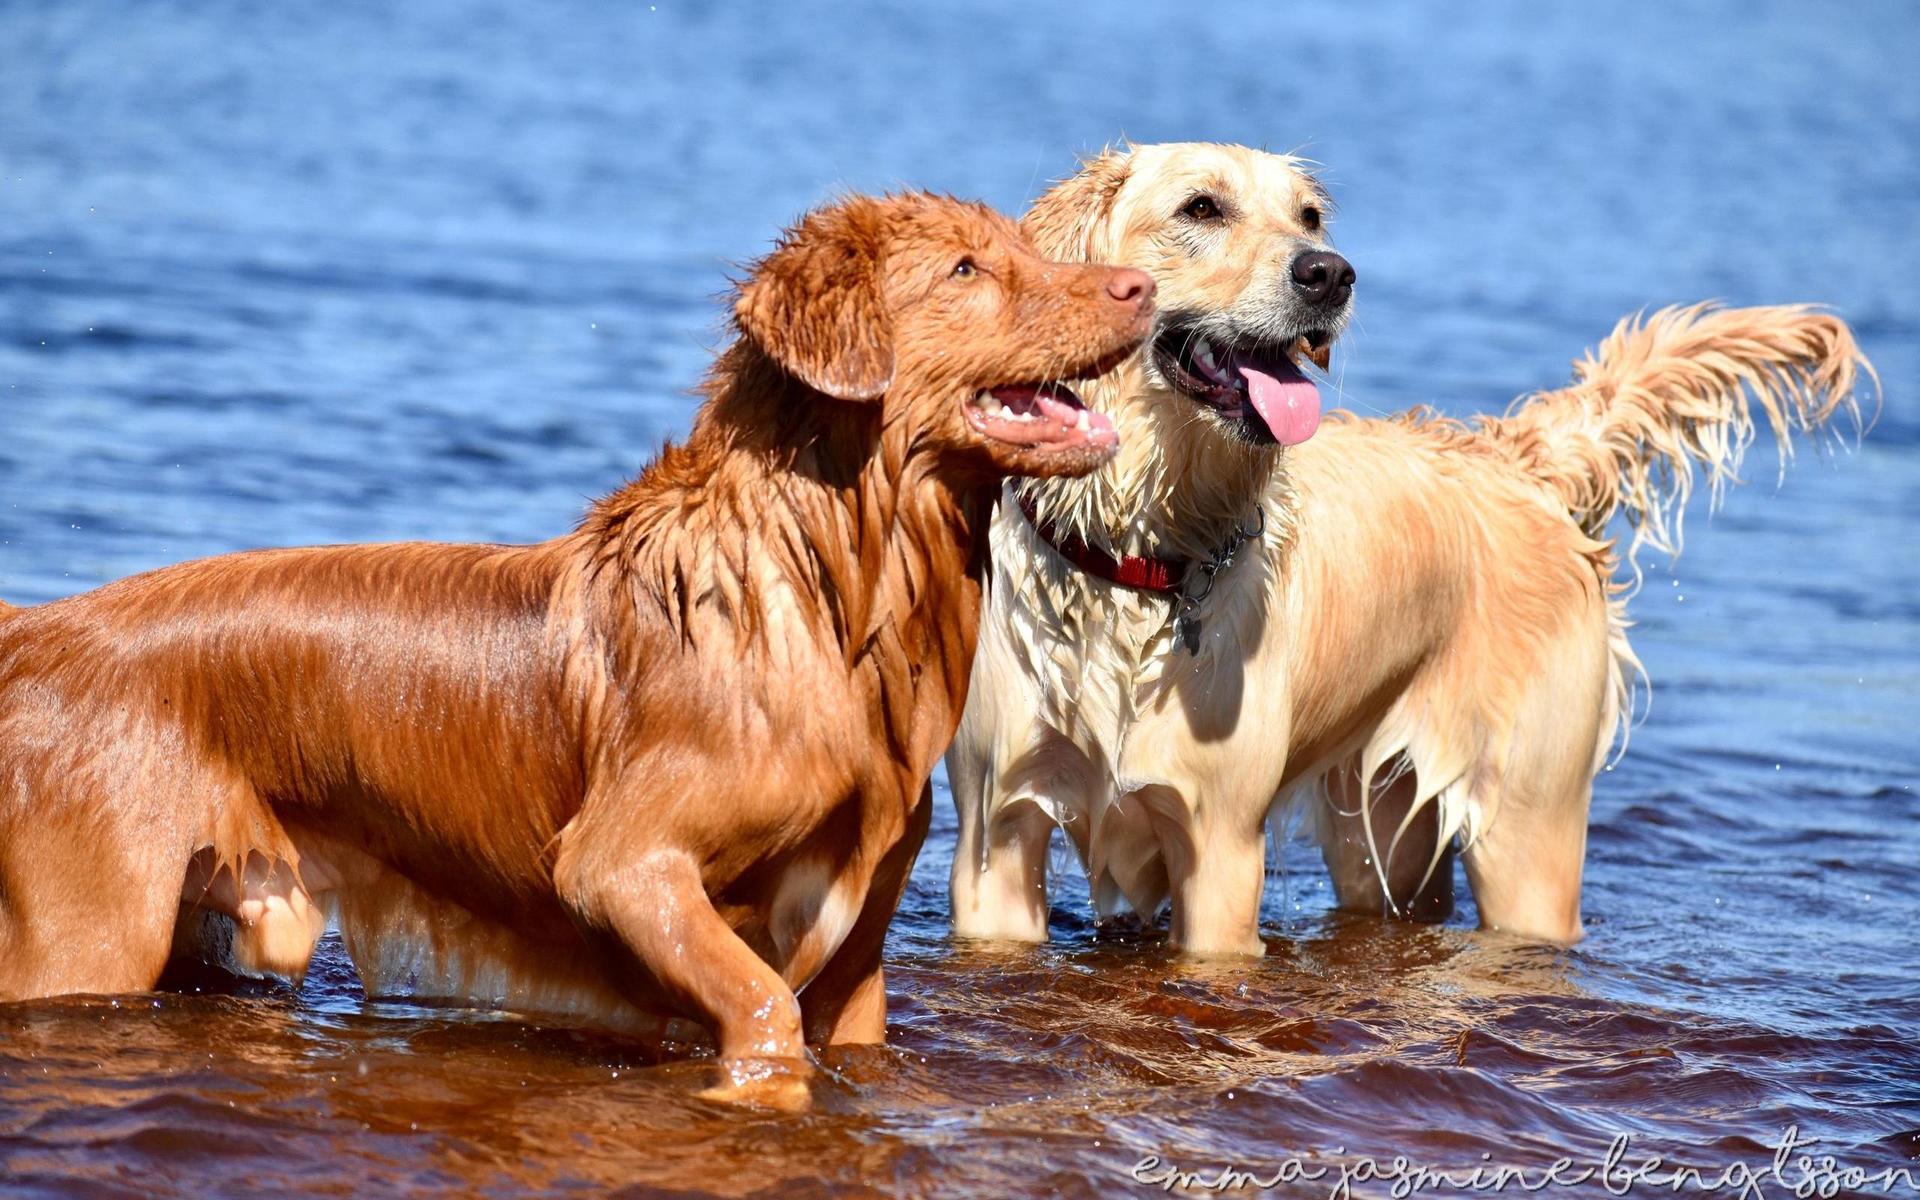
[847, 1003]
[1000, 890]
[849, 1012]
[1216, 869]
[657, 905]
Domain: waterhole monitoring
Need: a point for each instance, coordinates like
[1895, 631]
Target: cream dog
[1228, 618]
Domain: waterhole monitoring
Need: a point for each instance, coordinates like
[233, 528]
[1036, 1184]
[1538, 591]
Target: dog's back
[203, 716]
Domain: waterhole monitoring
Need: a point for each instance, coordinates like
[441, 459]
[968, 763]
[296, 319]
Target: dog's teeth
[1203, 353]
[1080, 422]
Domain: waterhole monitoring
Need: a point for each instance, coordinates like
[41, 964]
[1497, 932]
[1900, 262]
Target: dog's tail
[1676, 391]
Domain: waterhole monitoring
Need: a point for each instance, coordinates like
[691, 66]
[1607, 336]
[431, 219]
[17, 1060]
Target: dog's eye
[964, 269]
[1201, 208]
[1310, 217]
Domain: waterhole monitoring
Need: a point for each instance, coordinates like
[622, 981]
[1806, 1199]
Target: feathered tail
[1676, 391]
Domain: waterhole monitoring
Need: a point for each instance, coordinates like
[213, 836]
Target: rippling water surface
[275, 276]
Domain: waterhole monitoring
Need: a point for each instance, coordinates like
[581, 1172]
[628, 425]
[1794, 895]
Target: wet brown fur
[673, 763]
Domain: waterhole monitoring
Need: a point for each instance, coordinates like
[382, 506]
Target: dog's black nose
[1323, 278]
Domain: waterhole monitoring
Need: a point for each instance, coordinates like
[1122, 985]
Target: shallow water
[276, 278]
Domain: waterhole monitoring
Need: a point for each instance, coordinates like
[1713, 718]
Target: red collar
[1147, 574]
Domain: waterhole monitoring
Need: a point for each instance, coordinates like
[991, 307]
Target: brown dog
[674, 762]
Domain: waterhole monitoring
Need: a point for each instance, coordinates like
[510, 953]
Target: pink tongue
[1286, 400]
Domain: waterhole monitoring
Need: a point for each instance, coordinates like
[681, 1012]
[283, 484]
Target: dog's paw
[778, 1084]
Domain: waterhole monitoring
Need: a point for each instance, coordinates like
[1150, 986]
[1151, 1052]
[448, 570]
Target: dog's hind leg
[1126, 873]
[1524, 864]
[92, 852]
[99, 921]
[1525, 867]
[1419, 886]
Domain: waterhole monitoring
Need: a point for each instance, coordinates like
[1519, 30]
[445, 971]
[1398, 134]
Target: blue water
[289, 274]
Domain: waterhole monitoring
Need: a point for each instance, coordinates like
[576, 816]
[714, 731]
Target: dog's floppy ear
[815, 303]
[1065, 221]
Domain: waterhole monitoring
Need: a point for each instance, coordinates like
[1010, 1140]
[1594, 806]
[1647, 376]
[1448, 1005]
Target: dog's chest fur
[1103, 658]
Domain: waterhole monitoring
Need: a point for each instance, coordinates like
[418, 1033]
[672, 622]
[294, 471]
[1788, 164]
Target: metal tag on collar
[1186, 625]
[1186, 619]
[1197, 586]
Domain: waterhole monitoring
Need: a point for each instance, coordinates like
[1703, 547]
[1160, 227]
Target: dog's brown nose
[1323, 278]
[1130, 286]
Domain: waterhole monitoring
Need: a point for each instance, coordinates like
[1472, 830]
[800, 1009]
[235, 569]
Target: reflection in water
[1008, 1069]
[1099, 1038]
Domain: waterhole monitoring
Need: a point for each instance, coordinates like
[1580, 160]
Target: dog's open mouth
[1043, 416]
[1258, 385]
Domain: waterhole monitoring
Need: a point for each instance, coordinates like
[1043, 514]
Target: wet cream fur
[1431, 607]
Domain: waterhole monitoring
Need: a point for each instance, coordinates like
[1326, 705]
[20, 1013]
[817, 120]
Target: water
[279, 276]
